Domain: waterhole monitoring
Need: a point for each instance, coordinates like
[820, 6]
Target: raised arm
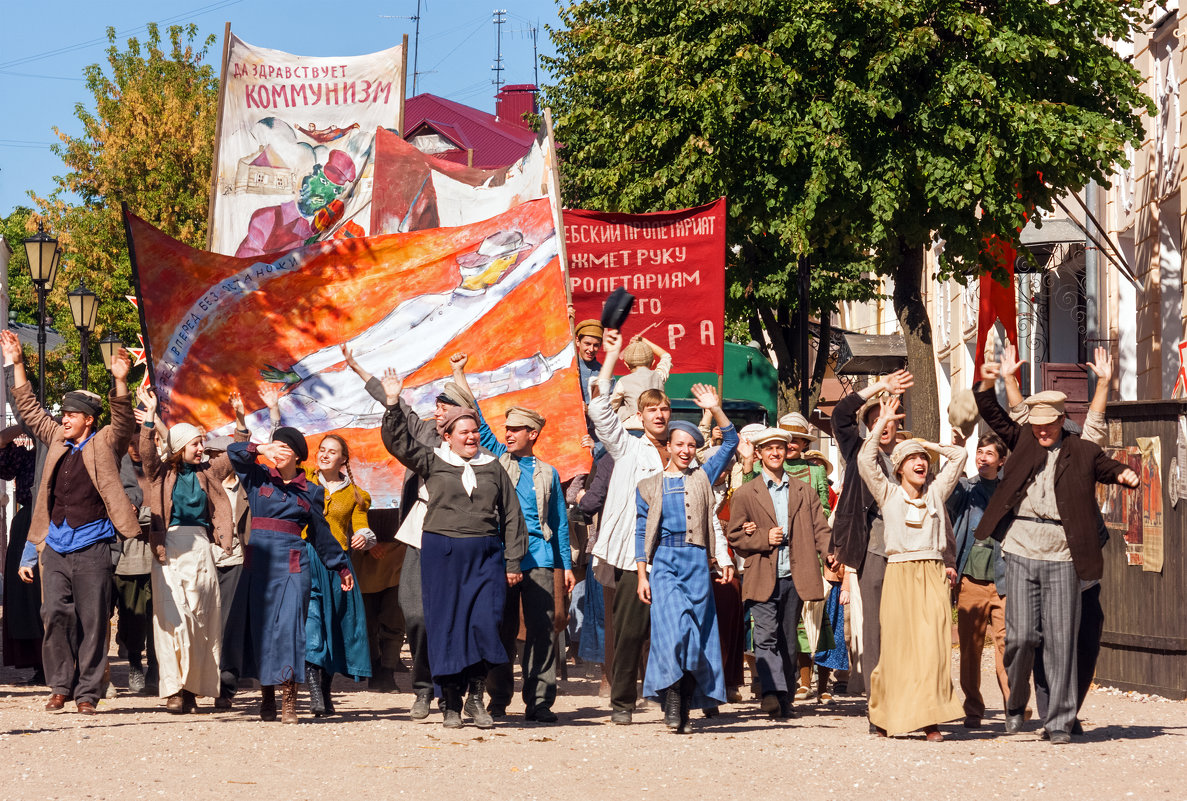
[953, 469]
[664, 366]
[487, 438]
[991, 411]
[28, 409]
[398, 439]
[867, 458]
[607, 426]
[846, 426]
[1008, 370]
[706, 397]
[1096, 428]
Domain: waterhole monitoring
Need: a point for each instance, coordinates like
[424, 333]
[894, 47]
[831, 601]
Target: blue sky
[46, 45]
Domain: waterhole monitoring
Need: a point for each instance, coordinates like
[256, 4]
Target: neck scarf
[469, 480]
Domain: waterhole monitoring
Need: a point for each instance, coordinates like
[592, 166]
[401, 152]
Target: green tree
[148, 141]
[848, 132]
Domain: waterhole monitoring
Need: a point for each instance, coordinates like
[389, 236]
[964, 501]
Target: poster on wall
[1151, 492]
[1122, 507]
[406, 301]
[673, 262]
[294, 154]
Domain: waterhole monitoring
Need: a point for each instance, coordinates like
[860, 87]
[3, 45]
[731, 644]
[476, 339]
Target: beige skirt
[187, 619]
[912, 685]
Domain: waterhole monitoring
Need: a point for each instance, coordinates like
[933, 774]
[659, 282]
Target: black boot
[672, 707]
[313, 679]
[383, 680]
[474, 707]
[327, 679]
[451, 700]
[687, 685]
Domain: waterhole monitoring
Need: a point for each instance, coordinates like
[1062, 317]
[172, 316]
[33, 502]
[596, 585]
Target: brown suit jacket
[163, 478]
[1079, 467]
[102, 456]
[807, 532]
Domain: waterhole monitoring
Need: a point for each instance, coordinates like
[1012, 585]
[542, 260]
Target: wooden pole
[152, 376]
[403, 82]
[218, 139]
[554, 196]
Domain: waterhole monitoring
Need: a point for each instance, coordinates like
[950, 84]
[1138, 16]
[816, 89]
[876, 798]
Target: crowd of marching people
[689, 553]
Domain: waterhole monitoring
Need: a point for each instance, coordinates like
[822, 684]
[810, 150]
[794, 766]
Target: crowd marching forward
[688, 553]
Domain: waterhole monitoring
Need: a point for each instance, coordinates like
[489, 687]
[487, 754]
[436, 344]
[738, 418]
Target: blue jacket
[966, 505]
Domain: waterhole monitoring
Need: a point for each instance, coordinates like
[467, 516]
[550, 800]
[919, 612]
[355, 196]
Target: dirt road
[1133, 748]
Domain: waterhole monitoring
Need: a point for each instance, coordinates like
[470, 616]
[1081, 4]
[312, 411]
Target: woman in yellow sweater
[336, 627]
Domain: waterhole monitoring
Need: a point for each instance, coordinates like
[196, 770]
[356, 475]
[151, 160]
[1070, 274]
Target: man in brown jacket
[79, 509]
[778, 527]
[1044, 514]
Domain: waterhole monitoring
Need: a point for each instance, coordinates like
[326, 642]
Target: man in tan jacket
[79, 509]
[778, 527]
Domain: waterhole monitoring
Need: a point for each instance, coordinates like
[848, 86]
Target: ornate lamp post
[83, 304]
[44, 256]
[109, 346]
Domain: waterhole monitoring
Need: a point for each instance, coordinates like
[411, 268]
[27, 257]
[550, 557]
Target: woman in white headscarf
[191, 515]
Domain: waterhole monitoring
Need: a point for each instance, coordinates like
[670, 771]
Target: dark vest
[74, 493]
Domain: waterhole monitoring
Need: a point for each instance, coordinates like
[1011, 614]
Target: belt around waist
[276, 524]
[1047, 521]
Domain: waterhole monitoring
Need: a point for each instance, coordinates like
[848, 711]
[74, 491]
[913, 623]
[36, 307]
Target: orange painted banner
[493, 289]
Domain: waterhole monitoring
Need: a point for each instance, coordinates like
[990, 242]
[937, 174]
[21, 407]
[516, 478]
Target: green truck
[749, 388]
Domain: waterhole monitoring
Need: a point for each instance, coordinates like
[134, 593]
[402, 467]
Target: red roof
[496, 143]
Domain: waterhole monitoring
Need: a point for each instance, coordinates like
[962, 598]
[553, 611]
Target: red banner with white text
[673, 262]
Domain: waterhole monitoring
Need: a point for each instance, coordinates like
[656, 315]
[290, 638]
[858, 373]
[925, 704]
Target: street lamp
[109, 346]
[44, 256]
[83, 304]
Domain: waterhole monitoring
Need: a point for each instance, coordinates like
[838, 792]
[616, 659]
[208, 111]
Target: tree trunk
[923, 400]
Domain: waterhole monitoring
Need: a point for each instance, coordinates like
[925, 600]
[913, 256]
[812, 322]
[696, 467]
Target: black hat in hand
[617, 308]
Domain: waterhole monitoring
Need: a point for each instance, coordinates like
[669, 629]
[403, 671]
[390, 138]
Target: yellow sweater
[344, 513]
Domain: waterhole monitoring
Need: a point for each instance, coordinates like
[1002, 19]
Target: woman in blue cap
[673, 534]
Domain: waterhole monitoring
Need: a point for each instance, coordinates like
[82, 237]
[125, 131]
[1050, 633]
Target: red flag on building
[997, 300]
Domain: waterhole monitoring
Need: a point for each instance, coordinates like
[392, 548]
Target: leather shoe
[933, 735]
[222, 703]
[56, 702]
[174, 705]
[972, 722]
[1014, 723]
[541, 715]
[1060, 738]
[86, 708]
[770, 705]
[621, 716]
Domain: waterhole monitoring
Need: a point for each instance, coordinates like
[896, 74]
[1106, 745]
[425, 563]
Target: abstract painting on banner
[494, 290]
[294, 155]
[414, 191]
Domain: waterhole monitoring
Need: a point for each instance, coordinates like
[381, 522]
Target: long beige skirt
[187, 619]
[912, 685]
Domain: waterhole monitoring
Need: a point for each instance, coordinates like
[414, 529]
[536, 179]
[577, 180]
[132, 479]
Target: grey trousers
[76, 612]
[538, 665]
[385, 626]
[869, 581]
[412, 605]
[1042, 610]
[776, 644]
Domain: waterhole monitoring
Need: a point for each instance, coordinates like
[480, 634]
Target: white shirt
[634, 460]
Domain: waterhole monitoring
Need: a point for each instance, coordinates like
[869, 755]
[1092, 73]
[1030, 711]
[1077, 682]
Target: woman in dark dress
[474, 538]
[22, 601]
[272, 598]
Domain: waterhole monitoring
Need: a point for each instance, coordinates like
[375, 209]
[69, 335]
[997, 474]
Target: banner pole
[218, 139]
[152, 376]
[403, 84]
[554, 193]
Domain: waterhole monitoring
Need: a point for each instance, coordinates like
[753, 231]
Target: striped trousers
[1042, 611]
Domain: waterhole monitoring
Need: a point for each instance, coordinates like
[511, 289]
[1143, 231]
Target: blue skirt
[592, 647]
[463, 584]
[684, 635]
[336, 627]
[837, 657]
[268, 615]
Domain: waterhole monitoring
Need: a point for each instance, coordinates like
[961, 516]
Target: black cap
[617, 308]
[82, 401]
[294, 439]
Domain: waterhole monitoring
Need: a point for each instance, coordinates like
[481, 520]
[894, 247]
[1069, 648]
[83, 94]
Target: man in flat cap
[777, 525]
[1044, 515]
[80, 508]
[538, 488]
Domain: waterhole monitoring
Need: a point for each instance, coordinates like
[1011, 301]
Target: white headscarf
[469, 480]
